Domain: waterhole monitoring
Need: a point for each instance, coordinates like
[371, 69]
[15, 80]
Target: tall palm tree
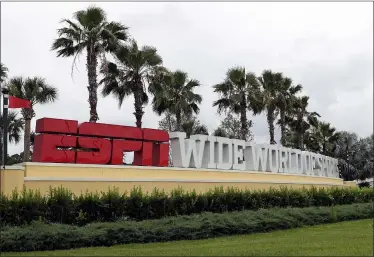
[300, 120]
[37, 91]
[271, 92]
[3, 72]
[91, 31]
[238, 93]
[132, 70]
[286, 98]
[175, 95]
[15, 128]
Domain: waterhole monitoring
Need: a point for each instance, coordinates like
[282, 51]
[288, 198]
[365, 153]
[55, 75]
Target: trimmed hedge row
[40, 236]
[62, 206]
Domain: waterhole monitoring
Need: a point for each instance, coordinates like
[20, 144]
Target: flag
[15, 102]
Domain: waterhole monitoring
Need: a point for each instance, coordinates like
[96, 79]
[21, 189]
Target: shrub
[41, 236]
[62, 206]
[364, 184]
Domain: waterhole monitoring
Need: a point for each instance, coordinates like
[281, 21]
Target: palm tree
[238, 93]
[90, 31]
[15, 127]
[37, 91]
[175, 95]
[133, 69]
[272, 97]
[326, 136]
[286, 98]
[192, 126]
[300, 120]
[3, 72]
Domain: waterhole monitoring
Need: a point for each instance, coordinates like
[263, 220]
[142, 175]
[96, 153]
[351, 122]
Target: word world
[210, 152]
[64, 141]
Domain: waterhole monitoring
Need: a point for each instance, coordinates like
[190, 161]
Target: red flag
[15, 102]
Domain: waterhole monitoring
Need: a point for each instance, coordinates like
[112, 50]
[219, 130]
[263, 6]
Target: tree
[133, 69]
[193, 127]
[91, 31]
[345, 151]
[231, 127]
[219, 132]
[285, 100]
[363, 158]
[37, 91]
[299, 122]
[272, 94]
[323, 136]
[3, 72]
[15, 127]
[175, 95]
[238, 93]
[190, 125]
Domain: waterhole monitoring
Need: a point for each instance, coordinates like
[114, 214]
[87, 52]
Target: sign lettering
[64, 141]
[232, 154]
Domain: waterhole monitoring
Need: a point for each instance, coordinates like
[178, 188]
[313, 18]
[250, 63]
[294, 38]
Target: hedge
[40, 236]
[61, 206]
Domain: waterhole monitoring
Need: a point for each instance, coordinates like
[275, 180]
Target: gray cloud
[326, 47]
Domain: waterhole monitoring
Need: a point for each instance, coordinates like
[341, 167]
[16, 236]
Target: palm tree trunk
[301, 142]
[283, 126]
[138, 97]
[243, 119]
[270, 119]
[178, 118]
[92, 84]
[26, 141]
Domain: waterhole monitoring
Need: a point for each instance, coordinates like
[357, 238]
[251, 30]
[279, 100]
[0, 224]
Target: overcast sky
[326, 47]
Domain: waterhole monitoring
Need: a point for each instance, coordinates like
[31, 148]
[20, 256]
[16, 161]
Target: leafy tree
[37, 91]
[3, 72]
[16, 159]
[132, 70]
[90, 31]
[190, 125]
[239, 93]
[168, 123]
[175, 95]
[299, 121]
[219, 132]
[231, 127]
[193, 127]
[345, 151]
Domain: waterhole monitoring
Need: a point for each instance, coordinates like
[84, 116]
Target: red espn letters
[64, 141]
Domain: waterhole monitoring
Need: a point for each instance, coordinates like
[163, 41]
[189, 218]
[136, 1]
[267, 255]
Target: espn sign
[64, 141]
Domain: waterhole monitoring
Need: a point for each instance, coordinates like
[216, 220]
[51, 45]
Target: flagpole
[5, 92]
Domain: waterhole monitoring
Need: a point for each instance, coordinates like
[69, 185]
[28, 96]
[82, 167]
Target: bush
[62, 206]
[41, 236]
[364, 184]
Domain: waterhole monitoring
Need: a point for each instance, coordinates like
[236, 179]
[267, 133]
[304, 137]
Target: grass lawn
[339, 239]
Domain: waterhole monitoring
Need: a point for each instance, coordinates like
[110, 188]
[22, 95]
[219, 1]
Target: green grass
[353, 238]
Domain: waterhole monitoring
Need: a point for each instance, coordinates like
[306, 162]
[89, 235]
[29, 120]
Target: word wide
[210, 152]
